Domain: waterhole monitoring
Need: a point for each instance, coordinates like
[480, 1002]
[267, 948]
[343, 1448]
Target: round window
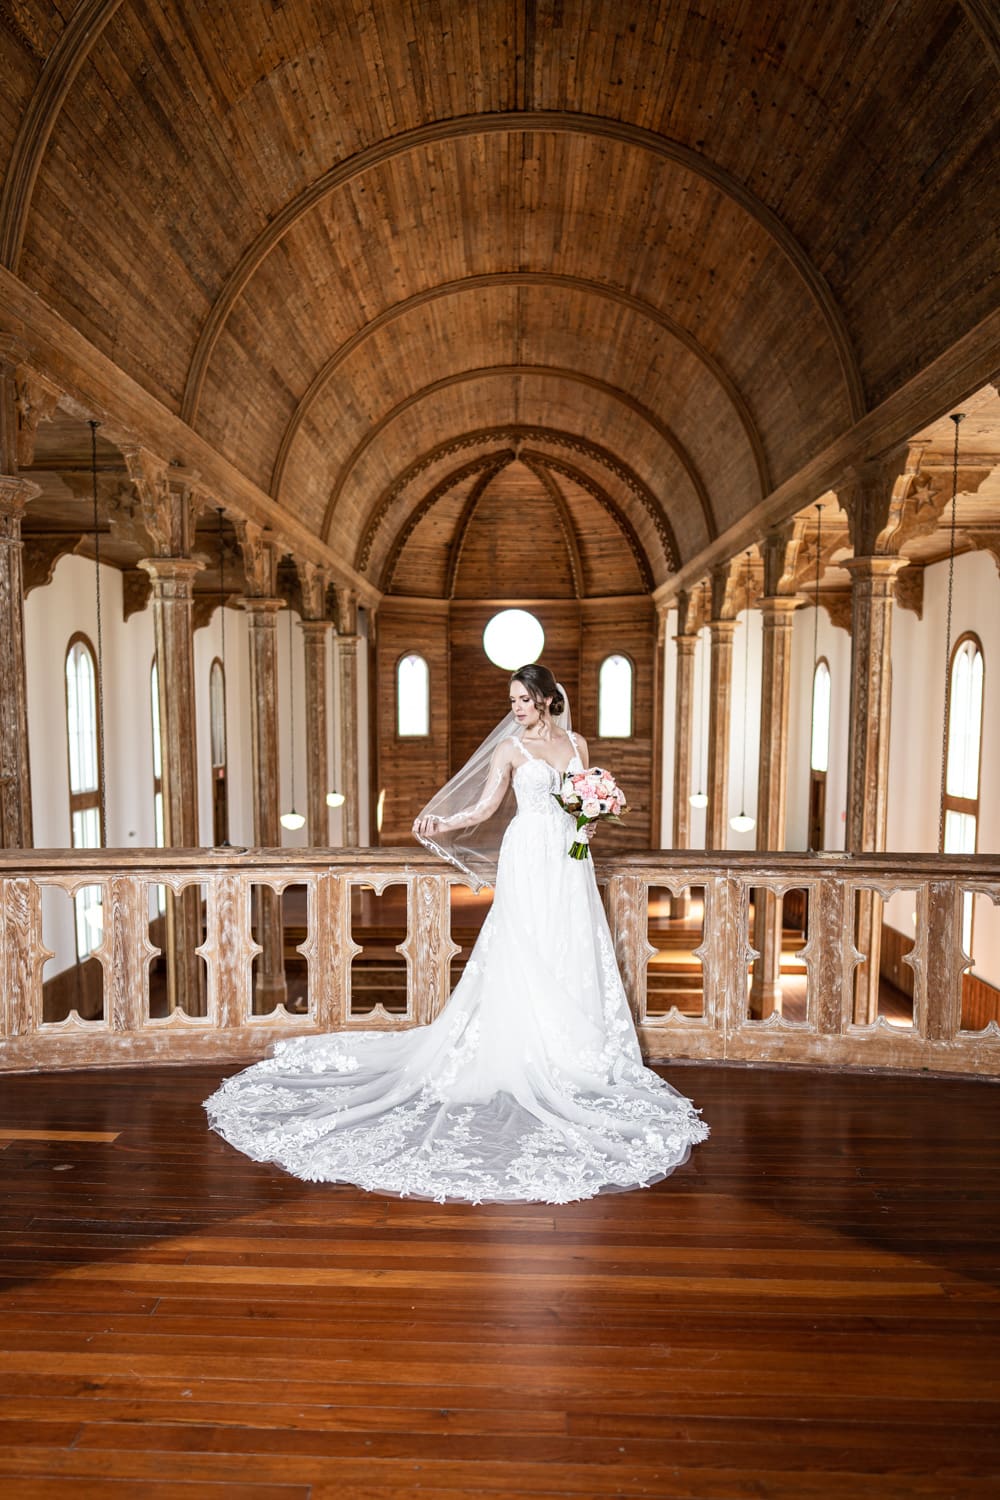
[513, 638]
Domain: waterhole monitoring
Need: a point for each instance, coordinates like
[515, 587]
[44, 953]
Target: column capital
[176, 571]
[685, 644]
[881, 567]
[15, 494]
[315, 629]
[722, 630]
[782, 607]
[260, 604]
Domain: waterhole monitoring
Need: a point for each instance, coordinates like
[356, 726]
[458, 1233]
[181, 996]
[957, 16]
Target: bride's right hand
[426, 827]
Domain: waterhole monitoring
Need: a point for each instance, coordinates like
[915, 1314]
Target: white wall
[835, 645]
[918, 687]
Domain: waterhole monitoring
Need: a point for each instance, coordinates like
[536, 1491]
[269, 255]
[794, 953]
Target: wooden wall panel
[410, 770]
[514, 544]
[480, 690]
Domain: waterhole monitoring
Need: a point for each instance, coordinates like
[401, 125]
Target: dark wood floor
[809, 1308]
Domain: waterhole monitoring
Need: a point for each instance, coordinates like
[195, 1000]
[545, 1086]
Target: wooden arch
[525, 122]
[643, 309]
[491, 463]
[497, 372]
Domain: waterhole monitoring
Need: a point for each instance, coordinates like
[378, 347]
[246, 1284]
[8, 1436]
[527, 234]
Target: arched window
[965, 734]
[413, 696]
[158, 830]
[84, 739]
[819, 754]
[217, 722]
[614, 698]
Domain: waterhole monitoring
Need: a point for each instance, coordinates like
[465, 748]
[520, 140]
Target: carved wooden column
[681, 821]
[15, 771]
[163, 520]
[873, 495]
[25, 400]
[721, 628]
[316, 631]
[777, 613]
[346, 647]
[873, 582]
[659, 672]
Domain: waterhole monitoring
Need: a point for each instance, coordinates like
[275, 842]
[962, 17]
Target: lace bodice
[535, 781]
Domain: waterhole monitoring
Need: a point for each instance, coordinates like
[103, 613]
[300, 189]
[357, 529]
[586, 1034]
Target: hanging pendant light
[742, 823]
[223, 843]
[335, 799]
[292, 820]
[100, 631]
[699, 798]
[957, 417]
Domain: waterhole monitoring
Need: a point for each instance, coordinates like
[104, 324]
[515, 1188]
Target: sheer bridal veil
[475, 849]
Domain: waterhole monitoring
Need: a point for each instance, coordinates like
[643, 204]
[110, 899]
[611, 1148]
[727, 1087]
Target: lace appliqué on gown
[529, 1087]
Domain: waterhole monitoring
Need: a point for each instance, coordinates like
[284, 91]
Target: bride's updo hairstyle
[541, 685]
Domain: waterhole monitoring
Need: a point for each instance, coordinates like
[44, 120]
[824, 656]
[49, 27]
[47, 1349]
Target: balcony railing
[684, 926]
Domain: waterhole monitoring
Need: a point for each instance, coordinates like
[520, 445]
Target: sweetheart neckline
[541, 761]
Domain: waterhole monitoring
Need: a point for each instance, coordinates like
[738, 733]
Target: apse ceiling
[641, 261]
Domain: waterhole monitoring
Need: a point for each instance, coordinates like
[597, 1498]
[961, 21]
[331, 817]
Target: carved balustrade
[823, 1032]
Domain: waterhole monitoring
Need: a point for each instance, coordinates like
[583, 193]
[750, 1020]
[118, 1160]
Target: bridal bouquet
[589, 795]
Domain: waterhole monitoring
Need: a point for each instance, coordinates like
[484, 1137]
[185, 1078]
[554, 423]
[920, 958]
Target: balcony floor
[809, 1308]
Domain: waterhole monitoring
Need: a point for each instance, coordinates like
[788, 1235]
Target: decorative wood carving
[136, 590]
[517, 435]
[40, 553]
[36, 401]
[910, 590]
[260, 557]
[837, 603]
[15, 771]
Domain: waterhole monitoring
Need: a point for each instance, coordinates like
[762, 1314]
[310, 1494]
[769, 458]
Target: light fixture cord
[100, 633]
[819, 539]
[700, 713]
[222, 596]
[291, 699]
[957, 417]
[746, 698]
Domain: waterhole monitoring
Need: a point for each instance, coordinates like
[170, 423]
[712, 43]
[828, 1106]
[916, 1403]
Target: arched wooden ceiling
[702, 238]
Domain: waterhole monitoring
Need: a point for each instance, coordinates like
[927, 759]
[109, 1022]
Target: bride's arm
[581, 750]
[497, 781]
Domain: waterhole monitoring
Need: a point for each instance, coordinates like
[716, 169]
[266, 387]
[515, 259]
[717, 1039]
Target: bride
[529, 1086]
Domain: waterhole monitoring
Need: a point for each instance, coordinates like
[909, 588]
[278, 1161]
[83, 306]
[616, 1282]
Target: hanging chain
[100, 635]
[957, 417]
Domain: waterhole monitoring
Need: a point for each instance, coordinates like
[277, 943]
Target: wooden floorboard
[809, 1308]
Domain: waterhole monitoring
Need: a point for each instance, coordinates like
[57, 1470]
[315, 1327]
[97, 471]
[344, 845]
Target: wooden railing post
[629, 922]
[328, 950]
[22, 957]
[428, 948]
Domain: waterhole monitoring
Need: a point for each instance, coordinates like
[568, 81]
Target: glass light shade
[698, 799]
[292, 820]
[335, 799]
[513, 638]
[742, 823]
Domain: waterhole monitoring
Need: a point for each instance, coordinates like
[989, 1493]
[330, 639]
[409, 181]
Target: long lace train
[529, 1086]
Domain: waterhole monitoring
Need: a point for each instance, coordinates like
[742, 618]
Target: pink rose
[591, 807]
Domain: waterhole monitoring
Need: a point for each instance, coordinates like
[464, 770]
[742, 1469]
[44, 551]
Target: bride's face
[523, 706]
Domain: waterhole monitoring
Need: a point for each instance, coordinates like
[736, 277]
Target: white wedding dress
[529, 1086]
